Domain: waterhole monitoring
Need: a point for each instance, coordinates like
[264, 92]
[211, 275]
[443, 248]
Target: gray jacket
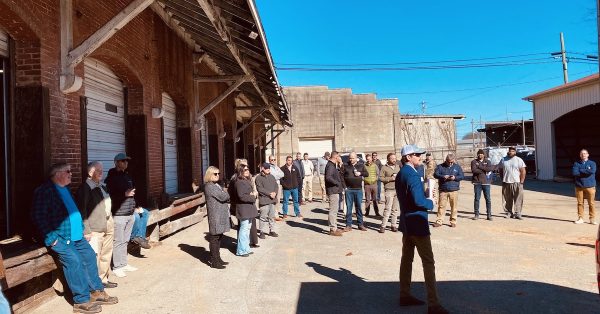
[265, 185]
[92, 201]
[218, 210]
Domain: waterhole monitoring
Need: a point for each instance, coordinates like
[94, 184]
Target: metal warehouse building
[566, 119]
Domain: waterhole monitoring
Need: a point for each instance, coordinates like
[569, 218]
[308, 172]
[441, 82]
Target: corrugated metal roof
[580, 82]
[244, 30]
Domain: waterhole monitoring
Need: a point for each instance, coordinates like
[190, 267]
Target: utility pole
[478, 133]
[423, 106]
[523, 127]
[563, 55]
[473, 132]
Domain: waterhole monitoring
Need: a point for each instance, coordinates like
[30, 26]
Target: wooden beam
[105, 32]
[158, 215]
[252, 119]
[262, 133]
[181, 223]
[221, 97]
[220, 78]
[279, 132]
[220, 26]
[167, 17]
[249, 107]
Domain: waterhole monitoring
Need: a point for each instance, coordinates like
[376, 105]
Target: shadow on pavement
[351, 293]
[591, 246]
[197, 252]
[314, 228]
[558, 188]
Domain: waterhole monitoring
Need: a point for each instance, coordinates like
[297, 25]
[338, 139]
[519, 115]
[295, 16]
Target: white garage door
[315, 147]
[3, 44]
[170, 143]
[105, 113]
[204, 138]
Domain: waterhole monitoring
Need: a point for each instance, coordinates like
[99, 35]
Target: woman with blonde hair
[218, 215]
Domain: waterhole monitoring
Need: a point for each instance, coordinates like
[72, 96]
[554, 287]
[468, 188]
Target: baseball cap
[411, 149]
[121, 156]
[327, 154]
[266, 165]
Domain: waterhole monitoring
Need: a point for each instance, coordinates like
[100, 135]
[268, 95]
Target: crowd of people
[89, 234]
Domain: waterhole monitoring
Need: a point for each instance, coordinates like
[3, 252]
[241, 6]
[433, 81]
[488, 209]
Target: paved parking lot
[543, 264]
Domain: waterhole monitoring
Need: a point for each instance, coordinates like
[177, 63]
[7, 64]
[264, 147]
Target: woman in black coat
[218, 215]
[245, 208]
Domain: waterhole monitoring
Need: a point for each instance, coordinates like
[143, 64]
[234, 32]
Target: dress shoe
[437, 225]
[347, 229]
[476, 217]
[254, 245]
[217, 265]
[410, 301]
[285, 217]
[273, 234]
[362, 228]
[262, 236]
[381, 230]
[300, 217]
[394, 229]
[143, 243]
[453, 224]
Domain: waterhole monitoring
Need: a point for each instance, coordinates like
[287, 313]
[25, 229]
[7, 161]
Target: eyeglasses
[271, 159]
[67, 171]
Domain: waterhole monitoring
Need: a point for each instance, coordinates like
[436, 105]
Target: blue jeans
[354, 197]
[486, 194]
[378, 190]
[78, 261]
[140, 224]
[286, 197]
[243, 243]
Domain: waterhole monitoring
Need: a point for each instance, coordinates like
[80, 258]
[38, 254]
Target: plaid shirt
[49, 214]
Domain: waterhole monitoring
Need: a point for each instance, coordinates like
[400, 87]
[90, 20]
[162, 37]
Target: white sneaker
[593, 222]
[579, 221]
[120, 272]
[129, 268]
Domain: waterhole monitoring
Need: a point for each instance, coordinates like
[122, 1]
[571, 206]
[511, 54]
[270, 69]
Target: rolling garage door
[170, 143]
[315, 147]
[105, 113]
[3, 44]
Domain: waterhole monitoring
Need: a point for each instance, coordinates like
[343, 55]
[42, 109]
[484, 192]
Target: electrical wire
[444, 67]
[413, 62]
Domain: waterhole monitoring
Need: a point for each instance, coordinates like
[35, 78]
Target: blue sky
[367, 32]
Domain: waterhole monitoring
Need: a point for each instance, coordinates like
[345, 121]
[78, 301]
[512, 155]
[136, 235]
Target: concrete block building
[336, 119]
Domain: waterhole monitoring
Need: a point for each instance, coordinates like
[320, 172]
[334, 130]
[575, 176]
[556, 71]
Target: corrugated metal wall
[550, 108]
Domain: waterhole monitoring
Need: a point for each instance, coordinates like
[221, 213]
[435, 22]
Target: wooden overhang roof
[231, 34]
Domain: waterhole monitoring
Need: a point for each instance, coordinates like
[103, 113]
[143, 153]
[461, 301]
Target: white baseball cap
[411, 149]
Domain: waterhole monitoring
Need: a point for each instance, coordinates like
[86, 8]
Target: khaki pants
[444, 198]
[588, 194]
[391, 208]
[512, 198]
[102, 244]
[423, 245]
[307, 184]
[335, 203]
[323, 190]
[278, 197]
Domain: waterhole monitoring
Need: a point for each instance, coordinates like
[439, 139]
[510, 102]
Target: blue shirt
[585, 173]
[74, 215]
[413, 203]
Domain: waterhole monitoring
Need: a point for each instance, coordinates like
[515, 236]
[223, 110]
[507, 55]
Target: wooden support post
[69, 82]
[279, 132]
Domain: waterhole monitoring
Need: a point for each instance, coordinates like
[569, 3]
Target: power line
[414, 62]
[445, 67]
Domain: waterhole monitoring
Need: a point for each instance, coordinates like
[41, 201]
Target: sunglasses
[216, 173]
[417, 155]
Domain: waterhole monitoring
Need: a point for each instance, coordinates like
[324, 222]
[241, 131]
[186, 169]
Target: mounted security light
[253, 35]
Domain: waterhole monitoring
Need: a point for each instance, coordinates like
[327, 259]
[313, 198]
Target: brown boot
[101, 297]
[88, 307]
[335, 233]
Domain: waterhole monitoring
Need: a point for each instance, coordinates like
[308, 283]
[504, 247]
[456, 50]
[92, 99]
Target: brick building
[176, 84]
